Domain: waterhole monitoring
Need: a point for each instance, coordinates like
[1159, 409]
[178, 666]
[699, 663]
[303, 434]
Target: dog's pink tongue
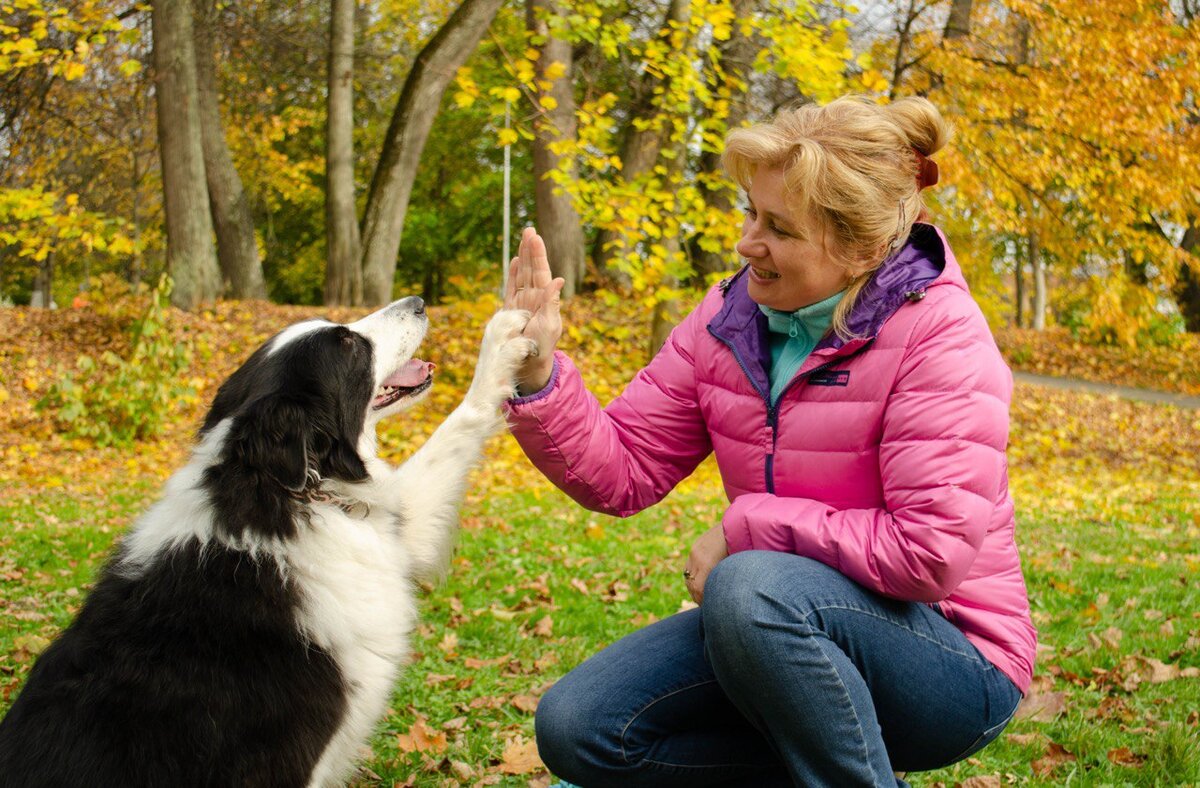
[413, 373]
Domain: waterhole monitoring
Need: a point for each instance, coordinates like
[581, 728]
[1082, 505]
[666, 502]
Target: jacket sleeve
[942, 463]
[629, 455]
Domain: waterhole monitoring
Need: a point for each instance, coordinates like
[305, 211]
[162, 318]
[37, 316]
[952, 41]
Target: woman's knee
[573, 728]
[560, 725]
[753, 594]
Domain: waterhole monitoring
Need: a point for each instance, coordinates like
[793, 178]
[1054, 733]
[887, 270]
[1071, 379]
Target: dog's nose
[412, 304]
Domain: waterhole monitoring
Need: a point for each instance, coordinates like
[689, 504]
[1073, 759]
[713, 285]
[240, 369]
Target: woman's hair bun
[921, 122]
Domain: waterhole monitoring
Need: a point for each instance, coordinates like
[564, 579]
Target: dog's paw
[503, 352]
[504, 325]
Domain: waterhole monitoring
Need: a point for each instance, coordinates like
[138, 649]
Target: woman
[862, 607]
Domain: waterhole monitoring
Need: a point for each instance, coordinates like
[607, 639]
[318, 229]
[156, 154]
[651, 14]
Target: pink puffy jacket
[884, 458]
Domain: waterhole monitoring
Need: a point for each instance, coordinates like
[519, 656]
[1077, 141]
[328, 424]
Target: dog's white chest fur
[357, 603]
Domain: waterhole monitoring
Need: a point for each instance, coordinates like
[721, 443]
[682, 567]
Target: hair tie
[927, 171]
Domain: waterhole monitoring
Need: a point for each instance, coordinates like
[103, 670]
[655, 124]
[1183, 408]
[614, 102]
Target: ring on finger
[688, 574]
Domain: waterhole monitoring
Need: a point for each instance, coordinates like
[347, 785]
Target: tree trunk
[191, 255]
[958, 24]
[43, 284]
[137, 268]
[1019, 290]
[343, 272]
[558, 221]
[237, 250]
[412, 119]
[1039, 282]
[736, 56]
[1187, 283]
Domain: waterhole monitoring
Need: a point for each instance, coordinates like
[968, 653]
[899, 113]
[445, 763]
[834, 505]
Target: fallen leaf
[1123, 756]
[461, 770]
[31, 644]
[526, 703]
[520, 757]
[579, 586]
[544, 627]
[982, 781]
[1042, 706]
[1024, 739]
[1055, 756]
[421, 738]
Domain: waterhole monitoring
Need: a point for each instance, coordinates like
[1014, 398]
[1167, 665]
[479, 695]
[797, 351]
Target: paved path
[1127, 392]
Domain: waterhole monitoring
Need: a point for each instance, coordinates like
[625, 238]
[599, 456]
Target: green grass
[528, 555]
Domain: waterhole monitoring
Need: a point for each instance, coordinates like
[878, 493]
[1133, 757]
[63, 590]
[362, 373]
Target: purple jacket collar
[743, 327]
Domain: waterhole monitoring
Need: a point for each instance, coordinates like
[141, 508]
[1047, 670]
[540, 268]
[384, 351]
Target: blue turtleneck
[793, 337]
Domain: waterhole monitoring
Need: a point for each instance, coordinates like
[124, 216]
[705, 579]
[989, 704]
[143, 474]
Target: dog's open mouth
[412, 378]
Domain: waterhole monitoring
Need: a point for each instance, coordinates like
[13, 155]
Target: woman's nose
[749, 246]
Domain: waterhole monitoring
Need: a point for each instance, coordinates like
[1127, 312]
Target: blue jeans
[789, 673]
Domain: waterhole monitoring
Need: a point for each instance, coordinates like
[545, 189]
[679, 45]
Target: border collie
[250, 628]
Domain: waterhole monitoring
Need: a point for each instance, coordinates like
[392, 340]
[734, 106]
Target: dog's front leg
[429, 486]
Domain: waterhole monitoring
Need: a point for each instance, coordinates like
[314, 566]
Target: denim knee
[560, 724]
[754, 588]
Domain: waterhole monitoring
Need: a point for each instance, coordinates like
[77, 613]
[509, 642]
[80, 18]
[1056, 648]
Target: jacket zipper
[773, 410]
[765, 396]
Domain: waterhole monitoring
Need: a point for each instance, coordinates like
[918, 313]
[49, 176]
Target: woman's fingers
[540, 264]
[510, 291]
[525, 253]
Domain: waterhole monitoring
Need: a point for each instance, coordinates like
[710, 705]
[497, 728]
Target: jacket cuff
[736, 529]
[545, 390]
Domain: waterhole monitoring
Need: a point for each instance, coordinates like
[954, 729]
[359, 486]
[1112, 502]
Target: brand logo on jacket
[830, 377]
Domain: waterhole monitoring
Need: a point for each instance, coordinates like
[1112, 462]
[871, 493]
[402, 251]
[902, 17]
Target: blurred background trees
[343, 151]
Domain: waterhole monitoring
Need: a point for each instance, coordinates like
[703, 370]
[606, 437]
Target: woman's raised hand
[532, 288]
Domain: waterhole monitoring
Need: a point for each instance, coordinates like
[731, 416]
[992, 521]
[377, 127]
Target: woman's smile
[762, 273]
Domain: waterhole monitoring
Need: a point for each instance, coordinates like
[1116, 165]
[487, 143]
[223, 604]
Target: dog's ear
[272, 436]
[337, 457]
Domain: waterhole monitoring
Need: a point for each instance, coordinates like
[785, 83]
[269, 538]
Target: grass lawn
[1108, 499]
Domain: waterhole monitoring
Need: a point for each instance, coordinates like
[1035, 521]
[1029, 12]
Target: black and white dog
[250, 627]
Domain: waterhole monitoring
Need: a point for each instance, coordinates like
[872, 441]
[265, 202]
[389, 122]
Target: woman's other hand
[531, 287]
[707, 552]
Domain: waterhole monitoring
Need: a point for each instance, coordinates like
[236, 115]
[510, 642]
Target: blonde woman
[862, 607]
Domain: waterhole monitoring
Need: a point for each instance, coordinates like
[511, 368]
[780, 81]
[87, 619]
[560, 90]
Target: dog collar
[351, 506]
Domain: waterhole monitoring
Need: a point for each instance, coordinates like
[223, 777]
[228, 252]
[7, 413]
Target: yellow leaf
[73, 71]
[506, 137]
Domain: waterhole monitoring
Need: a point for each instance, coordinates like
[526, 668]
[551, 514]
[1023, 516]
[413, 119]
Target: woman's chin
[765, 292]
